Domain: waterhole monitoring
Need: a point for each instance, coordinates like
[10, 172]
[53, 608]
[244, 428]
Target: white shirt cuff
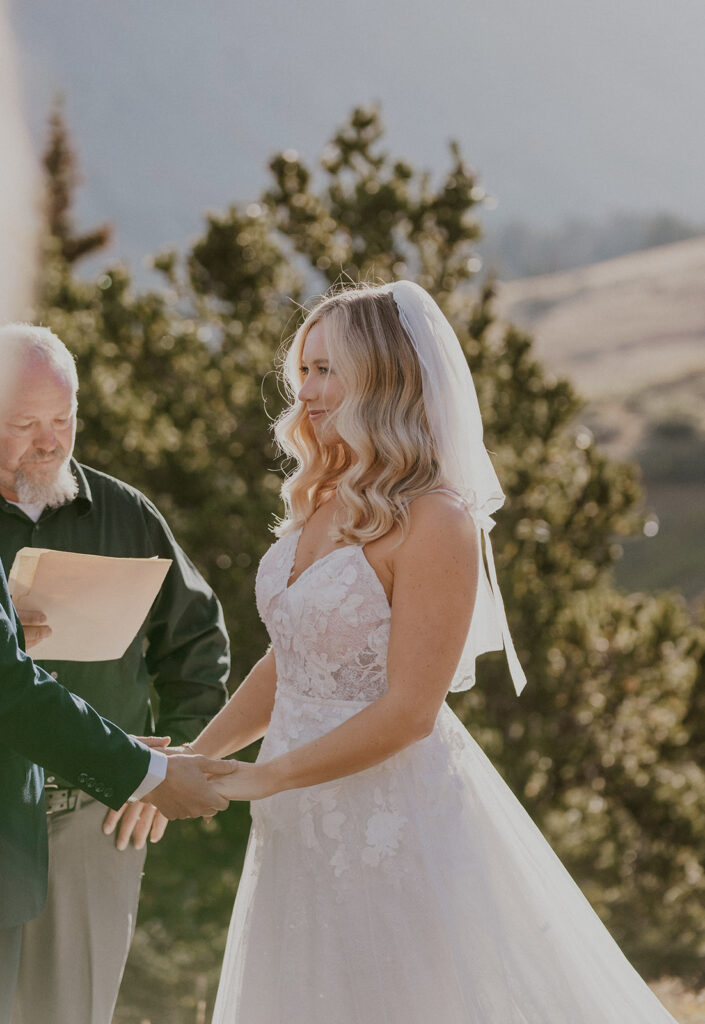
[156, 773]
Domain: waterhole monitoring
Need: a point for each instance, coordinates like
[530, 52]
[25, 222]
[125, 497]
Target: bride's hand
[248, 782]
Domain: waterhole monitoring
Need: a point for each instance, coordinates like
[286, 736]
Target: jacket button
[107, 792]
[99, 787]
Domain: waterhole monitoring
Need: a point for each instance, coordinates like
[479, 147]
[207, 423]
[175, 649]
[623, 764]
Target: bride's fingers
[212, 767]
[154, 741]
[213, 776]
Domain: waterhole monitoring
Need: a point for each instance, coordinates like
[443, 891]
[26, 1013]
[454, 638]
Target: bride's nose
[306, 390]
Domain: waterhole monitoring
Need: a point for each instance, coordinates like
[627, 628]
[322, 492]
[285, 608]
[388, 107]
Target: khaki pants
[73, 955]
[10, 942]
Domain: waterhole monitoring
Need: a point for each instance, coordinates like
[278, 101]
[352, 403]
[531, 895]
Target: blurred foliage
[606, 745]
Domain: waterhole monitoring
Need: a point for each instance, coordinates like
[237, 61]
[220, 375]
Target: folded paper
[94, 604]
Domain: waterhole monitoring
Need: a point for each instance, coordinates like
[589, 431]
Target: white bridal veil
[454, 417]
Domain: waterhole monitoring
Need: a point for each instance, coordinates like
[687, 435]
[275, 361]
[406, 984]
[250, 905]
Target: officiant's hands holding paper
[34, 625]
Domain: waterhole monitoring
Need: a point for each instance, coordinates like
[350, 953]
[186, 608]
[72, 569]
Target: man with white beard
[74, 952]
[34, 463]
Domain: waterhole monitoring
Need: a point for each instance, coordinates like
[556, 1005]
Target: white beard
[34, 489]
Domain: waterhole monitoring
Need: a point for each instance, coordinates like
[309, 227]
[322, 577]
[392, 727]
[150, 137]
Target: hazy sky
[566, 109]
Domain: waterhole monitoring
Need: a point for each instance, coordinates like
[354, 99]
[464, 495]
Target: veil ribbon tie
[455, 422]
[517, 673]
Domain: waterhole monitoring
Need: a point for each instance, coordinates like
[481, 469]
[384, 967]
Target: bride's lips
[315, 414]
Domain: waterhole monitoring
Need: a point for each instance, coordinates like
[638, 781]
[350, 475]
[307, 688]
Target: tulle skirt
[415, 892]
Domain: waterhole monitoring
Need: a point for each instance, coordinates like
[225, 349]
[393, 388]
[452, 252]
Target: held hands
[189, 789]
[34, 626]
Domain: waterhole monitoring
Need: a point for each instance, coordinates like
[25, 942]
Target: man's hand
[34, 626]
[187, 791]
[137, 821]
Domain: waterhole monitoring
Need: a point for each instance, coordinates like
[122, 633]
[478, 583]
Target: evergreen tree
[61, 180]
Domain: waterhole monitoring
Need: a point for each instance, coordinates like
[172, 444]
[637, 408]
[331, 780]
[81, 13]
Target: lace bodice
[330, 627]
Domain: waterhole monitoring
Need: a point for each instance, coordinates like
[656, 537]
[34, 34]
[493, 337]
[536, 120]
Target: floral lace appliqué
[383, 832]
[330, 627]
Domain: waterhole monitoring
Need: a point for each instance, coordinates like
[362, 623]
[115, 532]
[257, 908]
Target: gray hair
[20, 341]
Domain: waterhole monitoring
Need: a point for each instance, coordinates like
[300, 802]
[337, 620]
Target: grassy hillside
[630, 333]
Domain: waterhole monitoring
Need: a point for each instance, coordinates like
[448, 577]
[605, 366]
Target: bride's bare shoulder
[438, 507]
[441, 522]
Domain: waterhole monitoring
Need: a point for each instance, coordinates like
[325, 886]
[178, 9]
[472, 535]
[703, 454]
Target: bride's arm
[435, 580]
[245, 717]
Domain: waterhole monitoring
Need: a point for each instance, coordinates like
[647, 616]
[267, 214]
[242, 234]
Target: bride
[391, 877]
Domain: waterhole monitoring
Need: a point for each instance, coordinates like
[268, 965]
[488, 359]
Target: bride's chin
[327, 436]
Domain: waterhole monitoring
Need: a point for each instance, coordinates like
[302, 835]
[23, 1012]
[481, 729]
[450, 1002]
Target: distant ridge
[629, 332]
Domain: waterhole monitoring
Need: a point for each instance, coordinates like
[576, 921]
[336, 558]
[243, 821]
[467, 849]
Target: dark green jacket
[42, 722]
[182, 647]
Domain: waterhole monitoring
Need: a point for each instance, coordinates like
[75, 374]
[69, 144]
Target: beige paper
[94, 604]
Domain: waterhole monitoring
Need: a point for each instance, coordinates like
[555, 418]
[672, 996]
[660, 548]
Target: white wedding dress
[415, 892]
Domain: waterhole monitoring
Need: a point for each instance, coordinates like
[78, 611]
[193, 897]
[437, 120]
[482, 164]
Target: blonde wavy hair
[388, 456]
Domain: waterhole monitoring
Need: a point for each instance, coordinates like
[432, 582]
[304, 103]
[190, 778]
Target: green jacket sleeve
[188, 652]
[45, 723]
